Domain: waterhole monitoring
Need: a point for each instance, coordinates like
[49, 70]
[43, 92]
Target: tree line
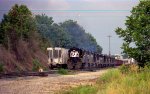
[66, 34]
[20, 24]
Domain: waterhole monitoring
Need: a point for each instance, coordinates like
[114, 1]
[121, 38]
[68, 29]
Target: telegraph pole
[109, 43]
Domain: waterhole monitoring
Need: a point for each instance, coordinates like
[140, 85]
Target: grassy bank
[125, 80]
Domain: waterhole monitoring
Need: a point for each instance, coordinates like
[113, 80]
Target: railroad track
[24, 74]
[40, 74]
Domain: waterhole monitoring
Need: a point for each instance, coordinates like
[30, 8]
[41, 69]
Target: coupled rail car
[75, 58]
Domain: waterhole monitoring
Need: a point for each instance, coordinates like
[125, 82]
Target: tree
[79, 37]
[17, 24]
[52, 31]
[137, 33]
[67, 34]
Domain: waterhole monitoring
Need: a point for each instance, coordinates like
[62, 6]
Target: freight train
[75, 58]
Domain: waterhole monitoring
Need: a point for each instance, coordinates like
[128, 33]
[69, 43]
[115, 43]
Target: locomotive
[75, 58]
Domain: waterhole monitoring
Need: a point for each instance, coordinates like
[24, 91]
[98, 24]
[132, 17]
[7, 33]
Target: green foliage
[52, 31]
[125, 56]
[44, 44]
[132, 83]
[82, 90]
[60, 37]
[17, 24]
[116, 82]
[137, 32]
[109, 76]
[1, 68]
[18, 32]
[124, 69]
[67, 34]
[36, 65]
[148, 64]
[63, 71]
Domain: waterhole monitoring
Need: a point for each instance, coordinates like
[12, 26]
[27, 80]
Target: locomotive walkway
[47, 85]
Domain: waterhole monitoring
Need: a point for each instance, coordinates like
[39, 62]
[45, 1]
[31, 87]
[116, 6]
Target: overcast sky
[98, 17]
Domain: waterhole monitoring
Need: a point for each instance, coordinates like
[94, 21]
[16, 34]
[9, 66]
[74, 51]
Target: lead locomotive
[75, 58]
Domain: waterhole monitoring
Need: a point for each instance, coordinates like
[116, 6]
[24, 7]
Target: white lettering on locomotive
[74, 53]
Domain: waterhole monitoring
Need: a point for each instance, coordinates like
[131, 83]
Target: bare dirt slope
[47, 85]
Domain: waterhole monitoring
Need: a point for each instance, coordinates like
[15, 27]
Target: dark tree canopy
[67, 34]
[52, 31]
[137, 33]
[79, 37]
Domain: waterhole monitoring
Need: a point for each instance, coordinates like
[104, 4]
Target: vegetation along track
[47, 85]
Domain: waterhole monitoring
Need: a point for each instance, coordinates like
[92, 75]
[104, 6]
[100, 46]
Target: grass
[63, 71]
[82, 90]
[125, 80]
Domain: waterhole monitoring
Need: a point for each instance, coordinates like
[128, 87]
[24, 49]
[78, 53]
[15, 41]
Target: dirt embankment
[21, 57]
[47, 85]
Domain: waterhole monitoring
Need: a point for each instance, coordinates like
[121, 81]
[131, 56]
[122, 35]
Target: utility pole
[109, 43]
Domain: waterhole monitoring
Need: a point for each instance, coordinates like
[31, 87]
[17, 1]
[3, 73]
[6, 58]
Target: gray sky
[98, 17]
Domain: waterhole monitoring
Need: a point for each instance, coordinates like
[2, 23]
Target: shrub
[124, 69]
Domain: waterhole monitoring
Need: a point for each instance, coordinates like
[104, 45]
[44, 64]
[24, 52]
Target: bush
[63, 71]
[147, 64]
[124, 69]
[36, 65]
